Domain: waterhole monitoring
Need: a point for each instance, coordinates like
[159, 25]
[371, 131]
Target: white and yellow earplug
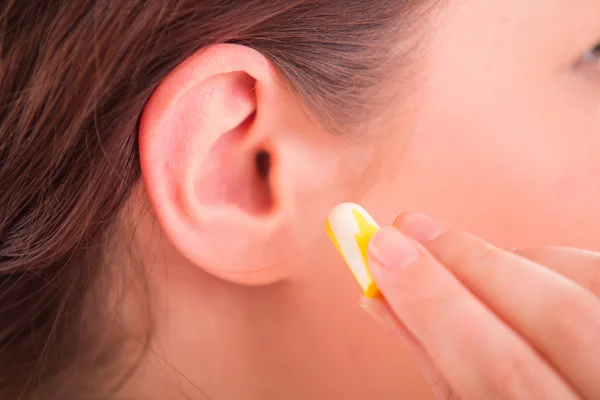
[351, 228]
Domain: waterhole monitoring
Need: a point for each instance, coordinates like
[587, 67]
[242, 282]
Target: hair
[74, 79]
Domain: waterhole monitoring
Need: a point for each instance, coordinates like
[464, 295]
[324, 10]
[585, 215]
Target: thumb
[381, 311]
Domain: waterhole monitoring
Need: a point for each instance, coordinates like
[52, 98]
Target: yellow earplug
[350, 228]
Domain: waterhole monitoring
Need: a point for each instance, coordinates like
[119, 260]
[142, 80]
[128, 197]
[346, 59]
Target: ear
[229, 159]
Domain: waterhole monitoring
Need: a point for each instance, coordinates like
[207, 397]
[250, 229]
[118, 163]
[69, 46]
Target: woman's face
[501, 138]
[499, 135]
[507, 127]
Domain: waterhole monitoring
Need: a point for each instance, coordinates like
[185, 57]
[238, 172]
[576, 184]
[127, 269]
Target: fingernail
[390, 249]
[380, 312]
[421, 227]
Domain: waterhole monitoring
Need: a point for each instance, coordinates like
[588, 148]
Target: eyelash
[592, 56]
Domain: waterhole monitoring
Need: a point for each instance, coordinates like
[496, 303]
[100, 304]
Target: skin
[500, 140]
[537, 312]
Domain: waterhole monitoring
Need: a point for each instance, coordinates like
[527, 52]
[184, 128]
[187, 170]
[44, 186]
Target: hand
[487, 323]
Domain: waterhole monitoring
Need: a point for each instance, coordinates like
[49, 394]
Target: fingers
[558, 317]
[477, 353]
[581, 266]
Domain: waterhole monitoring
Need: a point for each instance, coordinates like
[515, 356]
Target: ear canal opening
[262, 187]
[263, 164]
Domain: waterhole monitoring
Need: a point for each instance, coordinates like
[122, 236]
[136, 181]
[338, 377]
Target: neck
[205, 338]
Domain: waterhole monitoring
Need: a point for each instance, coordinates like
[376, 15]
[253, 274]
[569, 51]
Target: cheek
[502, 145]
[517, 170]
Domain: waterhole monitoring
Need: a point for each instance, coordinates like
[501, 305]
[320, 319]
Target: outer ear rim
[232, 58]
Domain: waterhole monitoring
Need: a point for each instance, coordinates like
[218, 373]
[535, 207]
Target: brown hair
[74, 78]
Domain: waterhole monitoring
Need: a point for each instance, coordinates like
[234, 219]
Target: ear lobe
[207, 160]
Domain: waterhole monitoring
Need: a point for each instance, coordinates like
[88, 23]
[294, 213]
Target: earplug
[351, 228]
